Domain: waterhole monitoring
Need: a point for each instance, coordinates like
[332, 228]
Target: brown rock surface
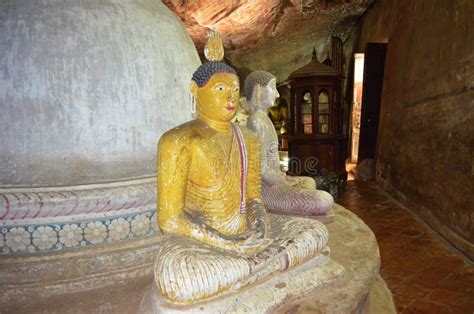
[276, 36]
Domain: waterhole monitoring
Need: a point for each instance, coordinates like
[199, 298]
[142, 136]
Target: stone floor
[424, 274]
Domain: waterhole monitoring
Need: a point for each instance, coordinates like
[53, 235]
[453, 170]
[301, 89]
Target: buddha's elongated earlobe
[193, 90]
[193, 104]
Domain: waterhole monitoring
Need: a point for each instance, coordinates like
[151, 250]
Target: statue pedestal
[352, 243]
[347, 282]
[261, 297]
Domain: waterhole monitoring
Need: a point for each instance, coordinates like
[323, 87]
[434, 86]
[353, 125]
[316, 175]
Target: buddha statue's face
[218, 100]
[271, 92]
[263, 97]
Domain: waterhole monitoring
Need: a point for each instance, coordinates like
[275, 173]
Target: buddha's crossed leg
[287, 199]
[187, 270]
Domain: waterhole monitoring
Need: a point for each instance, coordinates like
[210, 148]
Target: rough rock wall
[426, 135]
[271, 35]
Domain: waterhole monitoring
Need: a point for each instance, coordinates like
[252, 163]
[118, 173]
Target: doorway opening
[367, 95]
[357, 104]
[351, 163]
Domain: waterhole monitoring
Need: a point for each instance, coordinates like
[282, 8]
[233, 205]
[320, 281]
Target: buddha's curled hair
[256, 77]
[202, 75]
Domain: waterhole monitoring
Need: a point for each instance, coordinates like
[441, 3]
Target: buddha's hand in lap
[253, 244]
[261, 226]
[252, 240]
[258, 219]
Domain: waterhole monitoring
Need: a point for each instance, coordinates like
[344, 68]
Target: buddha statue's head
[215, 86]
[260, 90]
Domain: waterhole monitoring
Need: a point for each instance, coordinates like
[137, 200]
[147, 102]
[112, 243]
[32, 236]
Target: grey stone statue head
[260, 90]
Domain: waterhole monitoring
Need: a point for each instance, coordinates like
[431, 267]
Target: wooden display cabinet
[316, 142]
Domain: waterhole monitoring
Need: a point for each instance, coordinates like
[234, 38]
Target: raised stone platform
[263, 297]
[353, 245]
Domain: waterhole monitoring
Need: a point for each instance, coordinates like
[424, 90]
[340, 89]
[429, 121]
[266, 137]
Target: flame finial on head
[214, 50]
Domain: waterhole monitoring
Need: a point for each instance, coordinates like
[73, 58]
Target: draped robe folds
[293, 195]
[188, 271]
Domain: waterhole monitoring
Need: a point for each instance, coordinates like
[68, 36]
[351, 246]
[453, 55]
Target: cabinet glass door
[307, 112]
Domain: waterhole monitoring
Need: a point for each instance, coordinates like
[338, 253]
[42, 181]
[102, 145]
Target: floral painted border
[60, 236]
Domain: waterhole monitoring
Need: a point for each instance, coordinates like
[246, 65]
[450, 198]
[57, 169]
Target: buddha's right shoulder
[183, 134]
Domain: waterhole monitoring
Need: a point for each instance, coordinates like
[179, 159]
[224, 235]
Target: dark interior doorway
[374, 63]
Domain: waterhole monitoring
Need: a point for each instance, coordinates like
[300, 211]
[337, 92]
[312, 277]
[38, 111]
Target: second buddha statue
[281, 193]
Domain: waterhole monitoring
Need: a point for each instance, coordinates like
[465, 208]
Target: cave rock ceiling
[272, 35]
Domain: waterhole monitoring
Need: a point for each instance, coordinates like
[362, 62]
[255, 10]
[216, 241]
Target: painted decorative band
[76, 234]
[60, 202]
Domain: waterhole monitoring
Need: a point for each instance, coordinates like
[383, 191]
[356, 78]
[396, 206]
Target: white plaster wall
[87, 88]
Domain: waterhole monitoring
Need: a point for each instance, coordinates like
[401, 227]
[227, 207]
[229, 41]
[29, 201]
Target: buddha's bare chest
[214, 160]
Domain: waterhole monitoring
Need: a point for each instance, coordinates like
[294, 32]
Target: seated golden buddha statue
[217, 235]
[281, 193]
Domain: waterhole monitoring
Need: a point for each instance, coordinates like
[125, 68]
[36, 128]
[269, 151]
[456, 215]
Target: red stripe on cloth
[243, 166]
